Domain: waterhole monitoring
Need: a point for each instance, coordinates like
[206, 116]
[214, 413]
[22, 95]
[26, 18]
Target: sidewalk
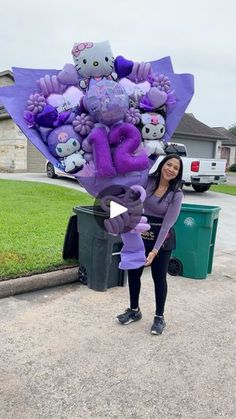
[42, 178]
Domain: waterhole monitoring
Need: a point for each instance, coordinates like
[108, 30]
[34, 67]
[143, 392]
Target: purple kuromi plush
[65, 144]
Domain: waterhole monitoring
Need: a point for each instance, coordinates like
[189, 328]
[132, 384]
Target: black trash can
[99, 252]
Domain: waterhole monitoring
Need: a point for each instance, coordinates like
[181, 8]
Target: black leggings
[159, 268]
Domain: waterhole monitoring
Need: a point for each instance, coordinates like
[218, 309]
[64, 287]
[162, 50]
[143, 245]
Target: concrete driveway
[42, 178]
[64, 356]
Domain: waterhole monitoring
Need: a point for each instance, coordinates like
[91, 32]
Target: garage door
[205, 149]
[35, 160]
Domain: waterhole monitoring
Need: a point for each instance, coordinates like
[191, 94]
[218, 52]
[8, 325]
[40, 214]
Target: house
[18, 154]
[199, 139]
[228, 147]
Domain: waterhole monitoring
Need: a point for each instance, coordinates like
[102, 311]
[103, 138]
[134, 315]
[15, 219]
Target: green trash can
[195, 241]
[99, 252]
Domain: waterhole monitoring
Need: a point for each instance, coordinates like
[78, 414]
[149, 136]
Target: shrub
[232, 168]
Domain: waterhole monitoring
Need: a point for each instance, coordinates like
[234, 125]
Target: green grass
[33, 222]
[228, 189]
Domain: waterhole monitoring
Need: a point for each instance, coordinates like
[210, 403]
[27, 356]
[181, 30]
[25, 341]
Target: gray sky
[199, 35]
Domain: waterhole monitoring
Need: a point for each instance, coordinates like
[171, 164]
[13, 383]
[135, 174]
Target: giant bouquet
[103, 119]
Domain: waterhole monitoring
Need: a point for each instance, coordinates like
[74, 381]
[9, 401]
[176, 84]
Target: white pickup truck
[199, 172]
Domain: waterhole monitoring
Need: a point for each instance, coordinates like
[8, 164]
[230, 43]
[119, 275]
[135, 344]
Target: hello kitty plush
[93, 60]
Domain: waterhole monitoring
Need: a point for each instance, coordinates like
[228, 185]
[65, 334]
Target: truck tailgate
[212, 167]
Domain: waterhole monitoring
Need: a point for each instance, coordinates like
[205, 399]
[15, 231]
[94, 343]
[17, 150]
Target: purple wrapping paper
[14, 99]
[183, 85]
[94, 185]
[133, 251]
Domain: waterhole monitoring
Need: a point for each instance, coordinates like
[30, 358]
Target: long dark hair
[175, 183]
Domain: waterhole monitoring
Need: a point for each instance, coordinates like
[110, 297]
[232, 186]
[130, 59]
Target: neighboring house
[18, 154]
[228, 147]
[200, 140]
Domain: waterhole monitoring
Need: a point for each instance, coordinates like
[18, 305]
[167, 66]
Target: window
[176, 149]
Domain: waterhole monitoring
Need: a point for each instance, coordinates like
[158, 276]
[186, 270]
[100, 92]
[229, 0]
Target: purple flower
[133, 116]
[161, 82]
[50, 118]
[146, 104]
[29, 118]
[36, 103]
[83, 124]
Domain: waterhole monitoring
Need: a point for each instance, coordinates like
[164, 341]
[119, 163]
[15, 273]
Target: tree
[232, 129]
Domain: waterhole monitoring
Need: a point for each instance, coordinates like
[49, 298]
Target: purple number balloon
[101, 152]
[127, 138]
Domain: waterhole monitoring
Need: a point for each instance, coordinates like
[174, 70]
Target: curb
[16, 286]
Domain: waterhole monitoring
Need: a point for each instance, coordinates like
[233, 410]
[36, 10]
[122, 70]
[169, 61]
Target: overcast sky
[199, 35]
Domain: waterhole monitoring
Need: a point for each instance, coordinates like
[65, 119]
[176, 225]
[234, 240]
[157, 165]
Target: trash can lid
[200, 208]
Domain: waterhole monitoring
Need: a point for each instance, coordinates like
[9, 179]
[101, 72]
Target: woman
[162, 207]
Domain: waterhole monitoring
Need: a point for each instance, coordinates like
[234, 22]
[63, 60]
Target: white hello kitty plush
[93, 60]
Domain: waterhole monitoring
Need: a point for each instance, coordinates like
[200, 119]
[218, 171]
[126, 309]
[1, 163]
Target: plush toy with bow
[95, 61]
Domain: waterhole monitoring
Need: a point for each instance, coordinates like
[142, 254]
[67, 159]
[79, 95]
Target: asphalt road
[63, 356]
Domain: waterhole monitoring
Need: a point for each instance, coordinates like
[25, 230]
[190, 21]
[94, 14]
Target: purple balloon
[106, 101]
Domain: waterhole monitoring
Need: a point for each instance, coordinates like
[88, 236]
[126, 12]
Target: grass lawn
[33, 222]
[228, 189]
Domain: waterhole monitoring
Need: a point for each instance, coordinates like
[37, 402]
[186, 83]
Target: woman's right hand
[150, 258]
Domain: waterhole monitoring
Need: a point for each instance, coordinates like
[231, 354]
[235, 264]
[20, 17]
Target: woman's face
[170, 169]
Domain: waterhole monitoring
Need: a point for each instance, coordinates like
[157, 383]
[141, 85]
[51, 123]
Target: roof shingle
[191, 126]
[228, 137]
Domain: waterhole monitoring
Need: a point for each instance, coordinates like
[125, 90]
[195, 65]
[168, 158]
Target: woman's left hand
[150, 258]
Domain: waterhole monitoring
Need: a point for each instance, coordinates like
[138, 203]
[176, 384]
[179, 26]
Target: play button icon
[116, 209]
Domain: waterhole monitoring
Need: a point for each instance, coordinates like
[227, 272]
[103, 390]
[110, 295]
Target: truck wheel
[175, 267]
[201, 188]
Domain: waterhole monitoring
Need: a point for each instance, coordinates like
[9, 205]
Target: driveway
[63, 356]
[42, 178]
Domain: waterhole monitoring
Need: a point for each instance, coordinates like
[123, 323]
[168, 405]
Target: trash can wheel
[83, 279]
[175, 267]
